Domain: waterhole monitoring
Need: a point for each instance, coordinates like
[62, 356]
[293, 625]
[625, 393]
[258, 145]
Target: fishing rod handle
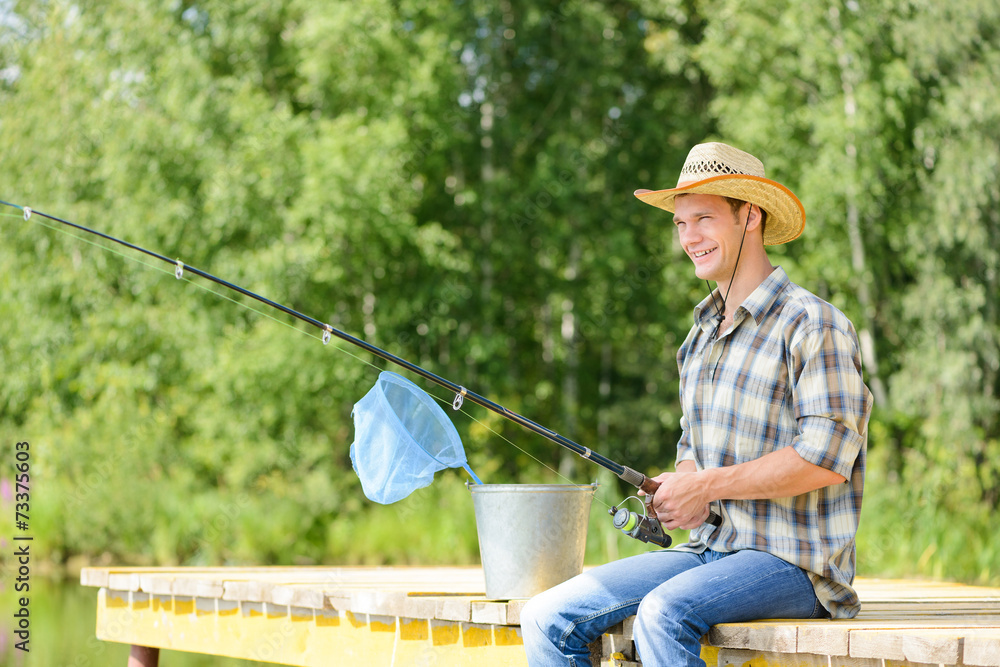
[645, 484]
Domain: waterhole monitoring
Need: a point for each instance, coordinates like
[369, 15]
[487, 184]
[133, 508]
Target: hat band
[702, 169]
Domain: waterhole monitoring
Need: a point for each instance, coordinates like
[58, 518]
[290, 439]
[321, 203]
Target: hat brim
[786, 217]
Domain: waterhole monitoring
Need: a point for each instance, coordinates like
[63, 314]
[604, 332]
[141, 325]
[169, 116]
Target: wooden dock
[439, 616]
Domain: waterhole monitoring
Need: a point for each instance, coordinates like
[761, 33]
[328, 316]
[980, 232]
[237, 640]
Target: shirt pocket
[763, 406]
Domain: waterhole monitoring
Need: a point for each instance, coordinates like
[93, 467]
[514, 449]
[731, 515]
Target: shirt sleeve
[830, 400]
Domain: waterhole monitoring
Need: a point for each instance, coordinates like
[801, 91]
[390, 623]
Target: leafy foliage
[450, 181]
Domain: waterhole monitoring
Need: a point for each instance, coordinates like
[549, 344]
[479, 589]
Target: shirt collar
[756, 305]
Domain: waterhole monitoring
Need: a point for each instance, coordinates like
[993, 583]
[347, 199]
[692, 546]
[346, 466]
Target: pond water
[63, 619]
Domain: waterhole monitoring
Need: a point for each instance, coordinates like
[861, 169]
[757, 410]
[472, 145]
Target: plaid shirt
[788, 373]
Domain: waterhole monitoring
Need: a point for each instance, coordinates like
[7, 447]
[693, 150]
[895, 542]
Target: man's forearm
[780, 474]
[684, 496]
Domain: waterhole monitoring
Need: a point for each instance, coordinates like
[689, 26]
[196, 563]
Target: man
[774, 432]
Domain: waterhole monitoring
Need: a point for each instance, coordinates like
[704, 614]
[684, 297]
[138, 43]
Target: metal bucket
[531, 536]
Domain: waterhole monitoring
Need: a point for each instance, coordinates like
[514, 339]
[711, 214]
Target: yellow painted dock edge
[300, 636]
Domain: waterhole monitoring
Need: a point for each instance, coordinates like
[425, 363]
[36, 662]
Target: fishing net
[401, 438]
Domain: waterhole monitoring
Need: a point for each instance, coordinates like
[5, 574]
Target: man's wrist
[713, 482]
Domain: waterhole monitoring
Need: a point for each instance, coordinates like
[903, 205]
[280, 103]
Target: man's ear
[754, 218]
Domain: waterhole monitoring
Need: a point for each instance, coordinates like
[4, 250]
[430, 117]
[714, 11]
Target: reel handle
[649, 487]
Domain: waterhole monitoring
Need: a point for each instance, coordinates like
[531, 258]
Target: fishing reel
[643, 528]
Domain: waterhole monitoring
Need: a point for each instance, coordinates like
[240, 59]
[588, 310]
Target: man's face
[709, 233]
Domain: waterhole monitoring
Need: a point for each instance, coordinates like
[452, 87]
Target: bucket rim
[531, 488]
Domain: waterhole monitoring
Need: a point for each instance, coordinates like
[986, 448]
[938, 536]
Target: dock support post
[143, 656]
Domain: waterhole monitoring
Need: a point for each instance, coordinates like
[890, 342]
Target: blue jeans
[675, 596]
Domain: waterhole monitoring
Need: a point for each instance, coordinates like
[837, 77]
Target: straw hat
[719, 169]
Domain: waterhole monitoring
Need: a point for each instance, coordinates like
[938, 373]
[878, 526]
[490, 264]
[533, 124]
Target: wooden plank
[156, 584]
[340, 603]
[378, 602]
[937, 646]
[94, 576]
[514, 608]
[125, 581]
[206, 588]
[340, 583]
[244, 591]
[426, 579]
[265, 586]
[486, 611]
[924, 645]
[298, 595]
[420, 606]
[823, 639]
[454, 609]
[827, 637]
[773, 637]
[875, 589]
[835, 637]
[98, 576]
[981, 647]
[930, 607]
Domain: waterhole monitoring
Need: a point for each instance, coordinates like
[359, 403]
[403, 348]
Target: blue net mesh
[401, 438]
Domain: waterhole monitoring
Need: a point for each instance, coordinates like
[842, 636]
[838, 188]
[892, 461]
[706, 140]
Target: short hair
[737, 204]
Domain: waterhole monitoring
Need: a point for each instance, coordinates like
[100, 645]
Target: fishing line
[156, 267]
[40, 219]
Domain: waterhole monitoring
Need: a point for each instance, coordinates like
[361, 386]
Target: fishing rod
[645, 528]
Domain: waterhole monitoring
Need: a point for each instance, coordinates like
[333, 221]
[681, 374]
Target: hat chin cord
[715, 301]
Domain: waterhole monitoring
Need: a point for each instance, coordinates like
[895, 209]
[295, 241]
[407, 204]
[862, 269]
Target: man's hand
[681, 501]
